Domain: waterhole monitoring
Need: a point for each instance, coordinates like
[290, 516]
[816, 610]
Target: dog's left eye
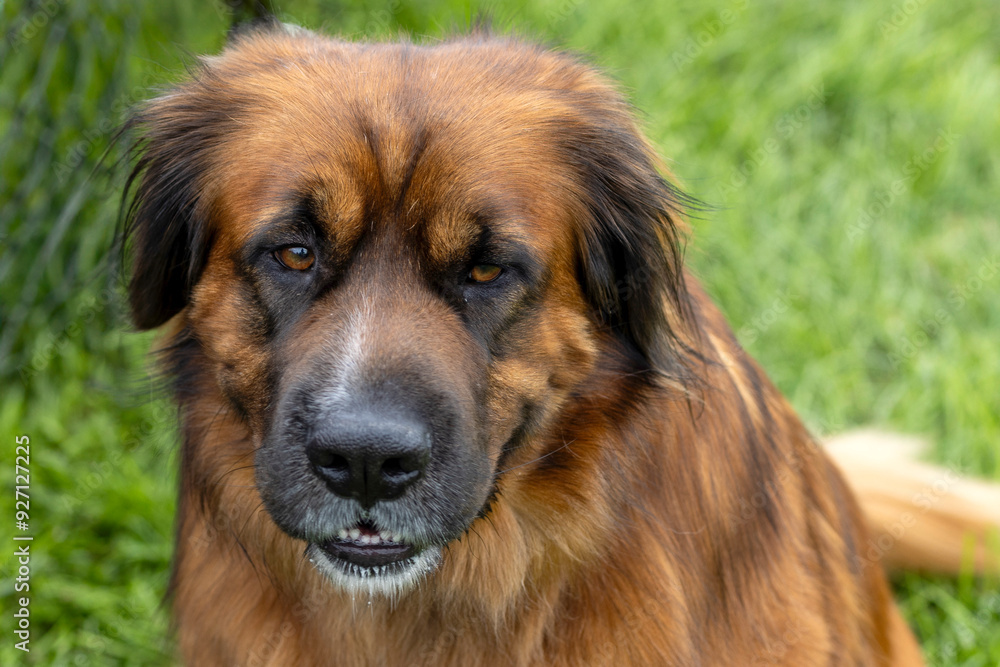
[296, 257]
[485, 273]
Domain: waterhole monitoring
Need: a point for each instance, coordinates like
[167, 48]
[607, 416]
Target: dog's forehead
[398, 135]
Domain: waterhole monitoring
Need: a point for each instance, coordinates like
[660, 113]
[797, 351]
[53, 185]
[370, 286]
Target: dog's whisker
[565, 445]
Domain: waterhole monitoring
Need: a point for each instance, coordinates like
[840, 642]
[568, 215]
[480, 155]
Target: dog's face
[398, 263]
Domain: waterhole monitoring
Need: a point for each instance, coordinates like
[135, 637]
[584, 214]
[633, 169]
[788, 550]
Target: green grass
[850, 149]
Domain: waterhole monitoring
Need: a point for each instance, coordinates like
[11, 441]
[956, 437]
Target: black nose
[370, 458]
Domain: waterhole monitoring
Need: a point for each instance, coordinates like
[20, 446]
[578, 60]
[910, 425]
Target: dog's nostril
[331, 461]
[322, 458]
[325, 458]
[399, 467]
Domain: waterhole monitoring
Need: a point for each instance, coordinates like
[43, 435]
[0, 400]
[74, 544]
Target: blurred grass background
[851, 150]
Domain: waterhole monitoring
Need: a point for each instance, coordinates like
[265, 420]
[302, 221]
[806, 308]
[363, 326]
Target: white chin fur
[387, 581]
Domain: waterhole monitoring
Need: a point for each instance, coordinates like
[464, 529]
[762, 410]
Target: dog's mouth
[366, 546]
[367, 559]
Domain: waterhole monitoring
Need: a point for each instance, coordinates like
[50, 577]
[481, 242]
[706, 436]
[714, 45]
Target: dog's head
[398, 264]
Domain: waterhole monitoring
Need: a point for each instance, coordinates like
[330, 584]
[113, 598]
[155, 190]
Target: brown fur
[663, 505]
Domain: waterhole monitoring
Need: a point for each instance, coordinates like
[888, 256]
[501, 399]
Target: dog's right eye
[296, 257]
[485, 273]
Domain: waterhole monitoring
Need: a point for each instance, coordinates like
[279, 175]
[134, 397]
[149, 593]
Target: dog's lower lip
[367, 555]
[364, 553]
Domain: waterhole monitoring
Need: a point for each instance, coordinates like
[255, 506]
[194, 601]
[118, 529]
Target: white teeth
[354, 534]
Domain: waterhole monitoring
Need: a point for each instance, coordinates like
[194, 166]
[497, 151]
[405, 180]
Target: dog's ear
[631, 245]
[166, 227]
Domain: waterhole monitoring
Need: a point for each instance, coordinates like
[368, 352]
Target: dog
[449, 395]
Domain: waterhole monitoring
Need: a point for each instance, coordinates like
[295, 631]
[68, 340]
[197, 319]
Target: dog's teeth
[342, 534]
[365, 539]
[375, 539]
[355, 533]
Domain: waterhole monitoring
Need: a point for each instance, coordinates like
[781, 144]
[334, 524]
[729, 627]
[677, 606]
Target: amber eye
[485, 273]
[296, 257]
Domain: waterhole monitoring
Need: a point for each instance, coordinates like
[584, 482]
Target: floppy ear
[631, 246]
[167, 224]
[166, 229]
